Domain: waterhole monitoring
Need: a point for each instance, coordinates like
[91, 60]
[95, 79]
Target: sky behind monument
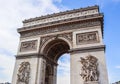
[13, 12]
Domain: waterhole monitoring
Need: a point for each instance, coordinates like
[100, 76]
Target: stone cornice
[62, 13]
[73, 20]
[88, 49]
[36, 55]
[21, 56]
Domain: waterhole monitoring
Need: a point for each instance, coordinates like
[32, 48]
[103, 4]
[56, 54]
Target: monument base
[91, 82]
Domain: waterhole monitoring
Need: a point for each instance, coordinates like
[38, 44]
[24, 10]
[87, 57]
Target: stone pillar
[27, 53]
[32, 60]
[51, 79]
[41, 70]
[88, 43]
[76, 66]
[55, 75]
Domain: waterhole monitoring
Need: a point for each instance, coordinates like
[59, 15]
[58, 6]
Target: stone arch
[52, 50]
[52, 39]
[48, 73]
[79, 31]
[55, 48]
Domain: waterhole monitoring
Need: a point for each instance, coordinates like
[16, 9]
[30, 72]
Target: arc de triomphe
[44, 39]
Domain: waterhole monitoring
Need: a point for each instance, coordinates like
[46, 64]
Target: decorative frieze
[89, 69]
[60, 28]
[86, 38]
[23, 75]
[28, 46]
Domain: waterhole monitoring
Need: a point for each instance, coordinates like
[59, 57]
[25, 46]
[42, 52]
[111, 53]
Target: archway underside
[55, 49]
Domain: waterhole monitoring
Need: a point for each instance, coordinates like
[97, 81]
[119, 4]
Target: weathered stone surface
[44, 39]
[59, 28]
[86, 38]
[61, 16]
[91, 82]
[28, 46]
[23, 75]
[89, 70]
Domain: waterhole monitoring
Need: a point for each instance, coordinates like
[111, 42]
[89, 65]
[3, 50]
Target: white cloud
[64, 69]
[12, 12]
[63, 80]
[118, 67]
[6, 67]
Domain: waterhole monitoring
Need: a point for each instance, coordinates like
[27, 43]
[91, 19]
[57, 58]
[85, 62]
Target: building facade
[44, 39]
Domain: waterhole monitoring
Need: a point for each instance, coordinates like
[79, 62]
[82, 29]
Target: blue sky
[13, 12]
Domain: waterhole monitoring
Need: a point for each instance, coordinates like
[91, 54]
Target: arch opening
[63, 69]
[53, 51]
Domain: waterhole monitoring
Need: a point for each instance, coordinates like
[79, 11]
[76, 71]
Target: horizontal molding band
[36, 55]
[61, 22]
[88, 49]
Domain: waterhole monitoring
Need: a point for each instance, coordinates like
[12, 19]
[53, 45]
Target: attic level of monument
[78, 18]
[82, 12]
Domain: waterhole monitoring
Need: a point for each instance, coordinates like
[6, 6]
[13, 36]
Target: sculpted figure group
[89, 71]
[23, 73]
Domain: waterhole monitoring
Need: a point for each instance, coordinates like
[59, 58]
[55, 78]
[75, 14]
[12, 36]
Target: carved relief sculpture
[89, 70]
[23, 73]
[28, 46]
[89, 37]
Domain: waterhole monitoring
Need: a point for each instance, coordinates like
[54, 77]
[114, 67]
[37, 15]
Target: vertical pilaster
[41, 70]
[55, 75]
